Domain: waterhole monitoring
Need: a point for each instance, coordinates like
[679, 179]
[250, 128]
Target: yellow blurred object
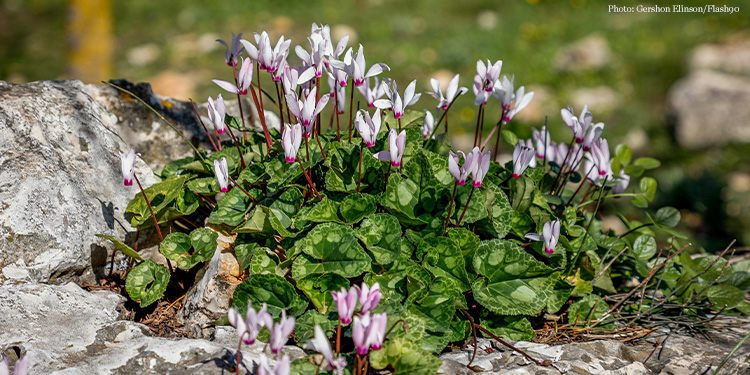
[90, 40]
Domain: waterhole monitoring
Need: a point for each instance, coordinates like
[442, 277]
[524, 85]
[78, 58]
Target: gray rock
[153, 138]
[710, 108]
[59, 184]
[63, 329]
[211, 296]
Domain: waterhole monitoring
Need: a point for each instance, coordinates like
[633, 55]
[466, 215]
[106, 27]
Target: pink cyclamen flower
[522, 156]
[542, 142]
[368, 331]
[624, 181]
[550, 236]
[395, 102]
[373, 92]
[216, 112]
[512, 102]
[461, 173]
[593, 134]
[248, 329]
[481, 166]
[267, 58]
[489, 74]
[368, 296]
[376, 335]
[232, 53]
[307, 110]
[282, 367]
[368, 127]
[359, 333]
[127, 162]
[290, 141]
[354, 65]
[346, 303]
[321, 345]
[22, 367]
[450, 93]
[280, 332]
[244, 78]
[222, 174]
[579, 125]
[600, 154]
[396, 146]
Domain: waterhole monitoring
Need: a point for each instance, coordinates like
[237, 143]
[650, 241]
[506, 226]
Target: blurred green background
[567, 51]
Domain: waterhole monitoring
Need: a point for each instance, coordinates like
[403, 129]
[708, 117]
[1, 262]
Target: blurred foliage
[419, 38]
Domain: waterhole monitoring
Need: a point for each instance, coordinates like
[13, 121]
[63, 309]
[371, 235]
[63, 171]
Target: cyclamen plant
[321, 229]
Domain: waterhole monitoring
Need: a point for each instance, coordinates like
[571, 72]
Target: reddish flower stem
[309, 180]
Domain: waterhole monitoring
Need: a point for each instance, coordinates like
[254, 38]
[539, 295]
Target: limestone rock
[710, 108]
[63, 329]
[59, 184]
[153, 138]
[211, 296]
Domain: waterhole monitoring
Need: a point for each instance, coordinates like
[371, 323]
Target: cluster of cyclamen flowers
[249, 328]
[368, 330]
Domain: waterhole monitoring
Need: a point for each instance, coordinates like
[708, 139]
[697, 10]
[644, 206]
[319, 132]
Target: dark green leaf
[644, 247]
[147, 282]
[272, 290]
[381, 234]
[356, 207]
[332, 248]
[231, 209]
[318, 289]
[667, 217]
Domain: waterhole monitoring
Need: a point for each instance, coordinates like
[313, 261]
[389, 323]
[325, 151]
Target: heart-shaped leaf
[381, 234]
[147, 282]
[330, 247]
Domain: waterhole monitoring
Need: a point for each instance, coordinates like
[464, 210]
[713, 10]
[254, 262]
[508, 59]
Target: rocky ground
[60, 185]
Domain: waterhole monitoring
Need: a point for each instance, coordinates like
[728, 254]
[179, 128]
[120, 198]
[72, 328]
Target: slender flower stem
[317, 99]
[450, 207]
[260, 91]
[336, 111]
[583, 180]
[446, 120]
[559, 173]
[458, 224]
[239, 151]
[197, 115]
[281, 106]
[403, 323]
[399, 124]
[476, 130]
[262, 116]
[359, 173]
[150, 209]
[593, 215]
[338, 338]
[243, 190]
[307, 147]
[320, 145]
[351, 106]
[497, 139]
[156, 224]
[570, 172]
[309, 181]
